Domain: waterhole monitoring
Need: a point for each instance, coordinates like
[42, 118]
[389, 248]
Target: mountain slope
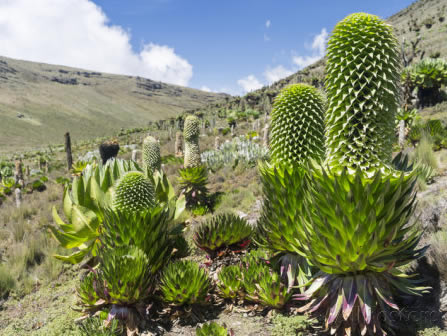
[40, 102]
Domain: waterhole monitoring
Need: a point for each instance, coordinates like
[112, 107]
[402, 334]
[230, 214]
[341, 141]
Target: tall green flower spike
[362, 87]
[297, 125]
[134, 192]
[191, 133]
[151, 154]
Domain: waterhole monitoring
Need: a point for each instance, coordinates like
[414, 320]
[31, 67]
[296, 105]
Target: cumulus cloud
[276, 73]
[304, 61]
[249, 83]
[268, 23]
[318, 48]
[77, 33]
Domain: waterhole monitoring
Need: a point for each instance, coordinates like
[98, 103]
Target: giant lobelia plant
[101, 187]
[194, 176]
[151, 154]
[82, 206]
[358, 227]
[297, 137]
[191, 132]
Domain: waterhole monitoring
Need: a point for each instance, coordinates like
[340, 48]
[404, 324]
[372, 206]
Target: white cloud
[319, 42]
[318, 48]
[249, 83]
[268, 23]
[205, 88]
[276, 73]
[304, 61]
[77, 33]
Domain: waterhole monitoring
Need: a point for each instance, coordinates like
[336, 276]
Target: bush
[7, 282]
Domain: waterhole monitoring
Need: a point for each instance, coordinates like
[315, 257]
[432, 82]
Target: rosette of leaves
[8, 183]
[95, 326]
[297, 118]
[151, 154]
[223, 231]
[293, 268]
[193, 184]
[134, 192]
[211, 329]
[261, 283]
[91, 290]
[126, 274]
[229, 282]
[280, 227]
[6, 169]
[358, 233]
[191, 132]
[362, 86]
[149, 230]
[284, 188]
[123, 279]
[183, 282]
[82, 206]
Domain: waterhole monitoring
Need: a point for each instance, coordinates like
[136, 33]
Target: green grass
[298, 325]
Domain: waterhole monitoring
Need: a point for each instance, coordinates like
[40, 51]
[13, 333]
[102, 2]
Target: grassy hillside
[40, 102]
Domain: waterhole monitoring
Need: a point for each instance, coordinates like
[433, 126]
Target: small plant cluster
[234, 116]
[254, 280]
[427, 77]
[253, 277]
[240, 151]
[8, 182]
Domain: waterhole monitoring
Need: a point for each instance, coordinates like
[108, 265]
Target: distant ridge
[40, 102]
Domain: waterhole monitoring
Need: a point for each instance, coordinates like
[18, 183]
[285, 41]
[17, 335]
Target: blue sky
[232, 46]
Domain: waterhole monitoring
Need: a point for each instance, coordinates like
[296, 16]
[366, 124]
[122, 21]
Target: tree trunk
[18, 173]
[68, 151]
